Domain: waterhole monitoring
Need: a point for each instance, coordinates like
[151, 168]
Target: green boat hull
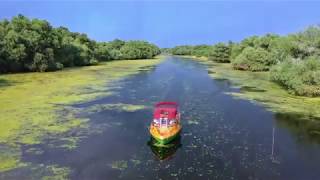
[164, 151]
[166, 140]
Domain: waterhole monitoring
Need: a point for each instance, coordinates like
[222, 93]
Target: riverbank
[30, 102]
[256, 87]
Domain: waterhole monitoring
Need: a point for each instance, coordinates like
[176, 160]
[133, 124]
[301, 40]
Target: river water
[222, 137]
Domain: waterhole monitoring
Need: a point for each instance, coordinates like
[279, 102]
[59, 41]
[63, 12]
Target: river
[222, 138]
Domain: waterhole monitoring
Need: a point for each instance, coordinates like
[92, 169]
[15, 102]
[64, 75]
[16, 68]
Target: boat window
[171, 122]
[156, 121]
[164, 121]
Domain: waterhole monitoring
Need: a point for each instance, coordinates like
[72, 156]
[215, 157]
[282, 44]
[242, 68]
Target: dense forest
[34, 45]
[293, 61]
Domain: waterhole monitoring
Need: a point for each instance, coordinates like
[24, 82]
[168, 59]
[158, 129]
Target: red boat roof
[166, 109]
[167, 104]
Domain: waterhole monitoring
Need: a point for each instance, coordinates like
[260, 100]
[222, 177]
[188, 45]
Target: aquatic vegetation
[38, 171]
[195, 122]
[135, 162]
[232, 137]
[117, 107]
[308, 130]
[57, 172]
[9, 158]
[68, 143]
[33, 150]
[257, 87]
[120, 165]
[30, 107]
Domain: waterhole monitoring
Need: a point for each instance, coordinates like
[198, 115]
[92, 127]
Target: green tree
[116, 44]
[253, 59]
[299, 77]
[201, 50]
[220, 53]
[102, 52]
[182, 50]
[34, 45]
[138, 50]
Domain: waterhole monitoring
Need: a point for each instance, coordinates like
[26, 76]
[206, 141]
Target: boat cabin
[165, 114]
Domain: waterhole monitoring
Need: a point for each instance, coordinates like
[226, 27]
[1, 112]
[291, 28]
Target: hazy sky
[170, 23]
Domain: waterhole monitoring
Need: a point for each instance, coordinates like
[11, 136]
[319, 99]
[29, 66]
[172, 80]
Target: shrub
[182, 50]
[59, 66]
[201, 50]
[220, 53]
[139, 50]
[299, 77]
[93, 62]
[254, 59]
[115, 54]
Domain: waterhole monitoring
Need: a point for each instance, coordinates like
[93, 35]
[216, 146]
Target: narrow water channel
[222, 137]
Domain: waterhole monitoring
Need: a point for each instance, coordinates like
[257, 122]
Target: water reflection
[307, 129]
[167, 151]
[223, 137]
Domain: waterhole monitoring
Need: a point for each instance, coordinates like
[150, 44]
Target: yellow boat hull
[164, 135]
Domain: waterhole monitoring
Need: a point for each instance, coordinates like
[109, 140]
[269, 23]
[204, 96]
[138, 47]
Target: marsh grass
[257, 87]
[30, 107]
[4, 83]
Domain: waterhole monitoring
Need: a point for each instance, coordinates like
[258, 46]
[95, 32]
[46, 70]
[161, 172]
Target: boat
[165, 126]
[164, 151]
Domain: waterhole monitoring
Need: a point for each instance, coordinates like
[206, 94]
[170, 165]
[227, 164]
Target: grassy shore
[30, 102]
[256, 87]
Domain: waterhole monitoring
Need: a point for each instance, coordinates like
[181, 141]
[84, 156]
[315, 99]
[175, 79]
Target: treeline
[34, 45]
[293, 61]
[199, 50]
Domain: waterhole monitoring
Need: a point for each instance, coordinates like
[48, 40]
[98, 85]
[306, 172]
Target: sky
[170, 23]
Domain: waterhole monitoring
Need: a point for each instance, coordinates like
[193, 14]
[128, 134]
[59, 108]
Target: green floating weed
[120, 165]
[192, 122]
[31, 103]
[256, 86]
[135, 162]
[56, 172]
[10, 157]
[116, 107]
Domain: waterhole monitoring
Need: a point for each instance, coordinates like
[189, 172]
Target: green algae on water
[195, 122]
[135, 162]
[257, 87]
[9, 158]
[56, 172]
[120, 165]
[30, 103]
[116, 107]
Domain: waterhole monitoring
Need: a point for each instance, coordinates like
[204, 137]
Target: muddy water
[222, 137]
